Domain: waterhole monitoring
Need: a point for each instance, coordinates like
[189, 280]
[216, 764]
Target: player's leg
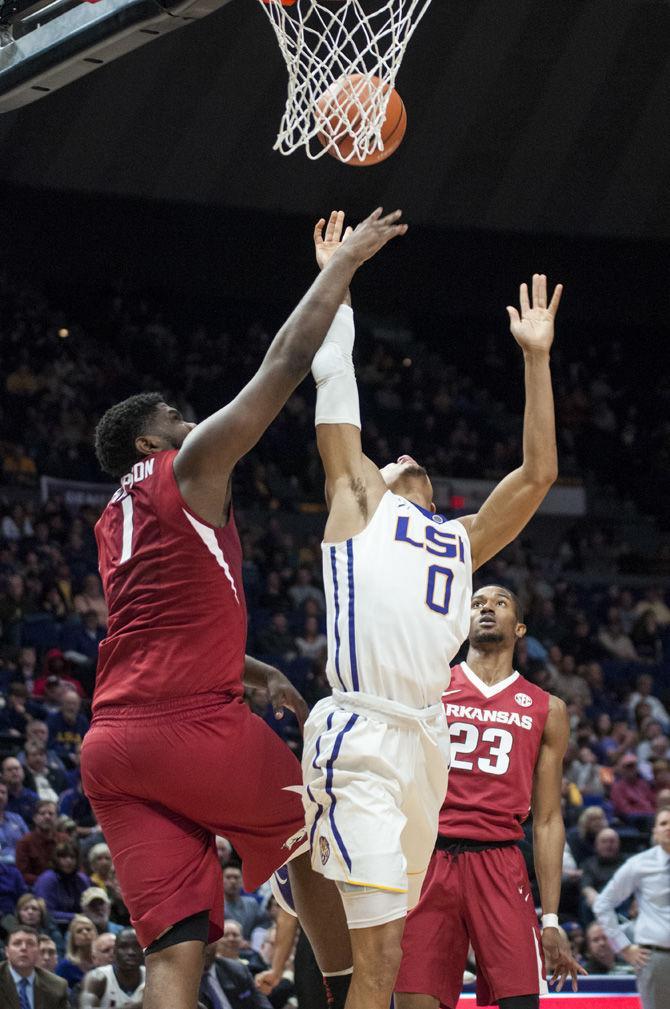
[511, 972]
[174, 964]
[319, 908]
[406, 1001]
[377, 954]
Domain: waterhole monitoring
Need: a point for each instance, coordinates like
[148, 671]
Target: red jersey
[173, 585]
[495, 740]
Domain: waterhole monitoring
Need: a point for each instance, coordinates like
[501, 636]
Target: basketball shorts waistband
[196, 703]
[460, 845]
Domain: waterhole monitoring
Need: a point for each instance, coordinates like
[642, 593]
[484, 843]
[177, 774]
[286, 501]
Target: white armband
[549, 921]
[333, 371]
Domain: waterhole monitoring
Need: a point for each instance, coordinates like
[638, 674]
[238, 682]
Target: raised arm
[512, 504]
[549, 840]
[206, 459]
[354, 485]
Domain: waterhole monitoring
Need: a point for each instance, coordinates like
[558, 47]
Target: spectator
[92, 599]
[20, 709]
[312, 644]
[122, 981]
[62, 886]
[78, 953]
[647, 639]
[81, 641]
[645, 876]
[12, 887]
[279, 996]
[96, 905]
[241, 908]
[26, 672]
[632, 797]
[233, 946]
[12, 828]
[305, 589]
[38, 732]
[224, 850]
[598, 869]
[581, 838]
[277, 639]
[585, 772]
[20, 800]
[650, 730]
[103, 949]
[55, 680]
[33, 912]
[47, 782]
[645, 685]
[614, 639]
[48, 958]
[35, 850]
[653, 601]
[75, 804]
[228, 982]
[22, 981]
[67, 729]
[600, 957]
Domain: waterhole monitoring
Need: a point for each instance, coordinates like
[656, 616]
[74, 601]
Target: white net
[326, 43]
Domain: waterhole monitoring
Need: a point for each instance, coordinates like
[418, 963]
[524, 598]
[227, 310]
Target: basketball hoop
[326, 44]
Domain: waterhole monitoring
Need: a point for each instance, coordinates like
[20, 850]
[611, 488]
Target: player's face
[170, 427]
[493, 617]
[128, 952]
[662, 829]
[406, 478]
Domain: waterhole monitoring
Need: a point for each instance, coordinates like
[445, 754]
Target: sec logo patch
[324, 850]
[523, 699]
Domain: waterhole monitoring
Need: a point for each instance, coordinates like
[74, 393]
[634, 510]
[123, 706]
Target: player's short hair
[518, 608]
[119, 427]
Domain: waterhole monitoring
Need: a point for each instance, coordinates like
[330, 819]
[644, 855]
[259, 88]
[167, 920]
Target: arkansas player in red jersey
[174, 756]
[508, 739]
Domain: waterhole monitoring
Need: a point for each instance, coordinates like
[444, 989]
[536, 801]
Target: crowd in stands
[603, 647]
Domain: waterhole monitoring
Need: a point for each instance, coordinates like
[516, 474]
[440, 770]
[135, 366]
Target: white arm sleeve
[333, 371]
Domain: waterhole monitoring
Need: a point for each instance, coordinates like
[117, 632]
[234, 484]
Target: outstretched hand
[533, 327]
[283, 695]
[362, 242]
[561, 964]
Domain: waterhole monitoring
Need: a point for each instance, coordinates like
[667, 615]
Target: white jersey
[398, 603]
[115, 996]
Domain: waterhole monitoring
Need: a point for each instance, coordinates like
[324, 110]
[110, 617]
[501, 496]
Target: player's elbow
[540, 477]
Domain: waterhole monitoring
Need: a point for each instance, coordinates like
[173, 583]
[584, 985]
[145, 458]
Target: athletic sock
[337, 986]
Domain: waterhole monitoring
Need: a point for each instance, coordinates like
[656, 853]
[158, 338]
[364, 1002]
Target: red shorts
[164, 779]
[482, 898]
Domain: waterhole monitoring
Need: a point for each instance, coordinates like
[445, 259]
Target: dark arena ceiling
[541, 116]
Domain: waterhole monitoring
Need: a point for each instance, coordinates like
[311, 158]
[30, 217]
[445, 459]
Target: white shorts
[375, 775]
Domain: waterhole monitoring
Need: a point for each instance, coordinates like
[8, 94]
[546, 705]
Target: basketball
[346, 100]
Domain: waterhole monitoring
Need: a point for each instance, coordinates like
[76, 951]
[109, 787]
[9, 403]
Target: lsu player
[398, 582]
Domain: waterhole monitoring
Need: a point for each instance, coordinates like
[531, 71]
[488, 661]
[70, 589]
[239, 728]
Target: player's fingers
[279, 711]
[339, 224]
[331, 226]
[348, 232]
[536, 291]
[391, 218]
[556, 299]
[318, 231]
[541, 291]
[376, 214]
[523, 299]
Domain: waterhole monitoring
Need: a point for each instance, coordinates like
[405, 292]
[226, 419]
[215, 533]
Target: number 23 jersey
[496, 733]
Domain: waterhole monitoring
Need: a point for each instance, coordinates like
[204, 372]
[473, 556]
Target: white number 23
[465, 739]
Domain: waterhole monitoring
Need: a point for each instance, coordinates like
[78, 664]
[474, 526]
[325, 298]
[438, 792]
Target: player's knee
[377, 954]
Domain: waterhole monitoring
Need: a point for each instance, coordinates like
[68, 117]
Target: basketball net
[323, 43]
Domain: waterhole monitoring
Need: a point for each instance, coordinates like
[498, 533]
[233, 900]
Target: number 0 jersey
[398, 603]
[496, 734]
[173, 585]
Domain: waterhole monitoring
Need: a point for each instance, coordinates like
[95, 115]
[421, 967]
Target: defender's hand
[561, 964]
[328, 243]
[370, 236]
[283, 694]
[533, 329]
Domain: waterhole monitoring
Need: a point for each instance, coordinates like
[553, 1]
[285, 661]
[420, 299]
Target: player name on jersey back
[173, 585]
[496, 733]
[398, 603]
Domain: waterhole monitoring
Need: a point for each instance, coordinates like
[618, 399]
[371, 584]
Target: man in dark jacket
[228, 984]
[22, 982]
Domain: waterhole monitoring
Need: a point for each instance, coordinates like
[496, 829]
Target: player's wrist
[549, 921]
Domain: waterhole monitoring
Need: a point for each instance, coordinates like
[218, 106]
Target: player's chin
[488, 637]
